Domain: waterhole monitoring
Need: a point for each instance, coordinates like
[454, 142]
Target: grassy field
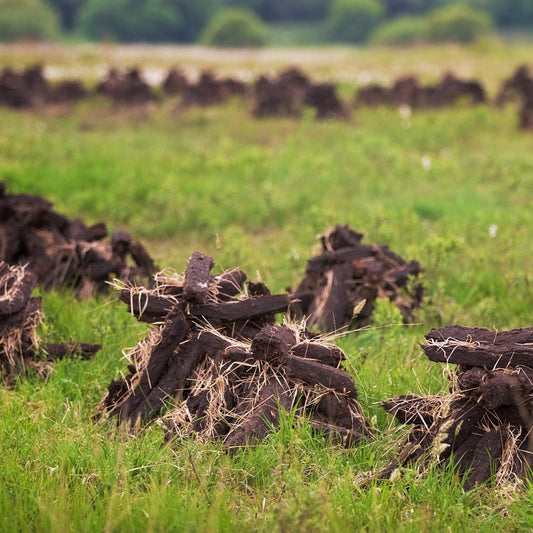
[255, 194]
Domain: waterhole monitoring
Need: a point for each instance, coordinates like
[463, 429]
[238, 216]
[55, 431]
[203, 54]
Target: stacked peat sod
[126, 88]
[216, 354]
[348, 273]
[209, 90]
[292, 91]
[175, 82]
[20, 315]
[63, 252]
[29, 87]
[519, 87]
[410, 92]
[485, 424]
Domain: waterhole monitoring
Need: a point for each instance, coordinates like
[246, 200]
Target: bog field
[451, 188]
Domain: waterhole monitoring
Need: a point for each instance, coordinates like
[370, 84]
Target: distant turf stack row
[286, 95]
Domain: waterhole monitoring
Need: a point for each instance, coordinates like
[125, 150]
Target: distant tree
[235, 27]
[298, 10]
[146, 20]
[130, 20]
[195, 15]
[507, 12]
[401, 31]
[27, 19]
[354, 20]
[68, 11]
[395, 8]
[286, 10]
[457, 22]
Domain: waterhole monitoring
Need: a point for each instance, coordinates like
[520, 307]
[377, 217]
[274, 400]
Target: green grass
[255, 194]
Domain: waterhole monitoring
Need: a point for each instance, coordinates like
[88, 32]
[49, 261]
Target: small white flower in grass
[405, 111]
[493, 229]
[426, 162]
[293, 254]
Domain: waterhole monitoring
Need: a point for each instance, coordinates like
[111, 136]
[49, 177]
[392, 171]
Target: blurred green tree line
[185, 20]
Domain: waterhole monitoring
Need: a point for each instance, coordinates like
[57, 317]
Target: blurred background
[255, 23]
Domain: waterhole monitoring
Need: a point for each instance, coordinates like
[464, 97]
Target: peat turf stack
[452, 89]
[63, 252]
[347, 273]
[209, 90]
[22, 89]
[20, 315]
[217, 354]
[126, 88]
[519, 87]
[272, 98]
[67, 91]
[292, 91]
[175, 82]
[324, 99]
[525, 114]
[29, 87]
[485, 424]
[282, 96]
[408, 91]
